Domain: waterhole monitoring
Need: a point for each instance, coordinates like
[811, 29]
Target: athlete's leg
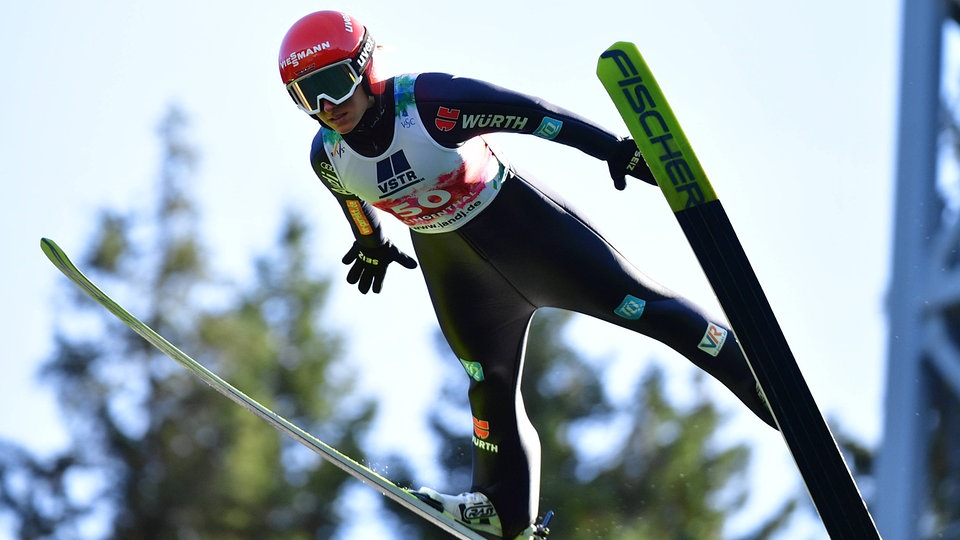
[556, 258]
[485, 321]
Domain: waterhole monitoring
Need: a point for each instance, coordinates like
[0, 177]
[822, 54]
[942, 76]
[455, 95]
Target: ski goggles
[334, 83]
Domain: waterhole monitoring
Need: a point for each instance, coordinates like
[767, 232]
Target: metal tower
[918, 464]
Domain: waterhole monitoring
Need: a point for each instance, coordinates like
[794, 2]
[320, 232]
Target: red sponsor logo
[447, 118]
[481, 428]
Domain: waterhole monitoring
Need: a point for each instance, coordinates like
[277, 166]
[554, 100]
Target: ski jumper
[494, 246]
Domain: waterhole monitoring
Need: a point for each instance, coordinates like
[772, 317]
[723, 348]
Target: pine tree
[156, 454]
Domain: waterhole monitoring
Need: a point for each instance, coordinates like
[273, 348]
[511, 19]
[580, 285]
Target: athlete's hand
[626, 160]
[370, 264]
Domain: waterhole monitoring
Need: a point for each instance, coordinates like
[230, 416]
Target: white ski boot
[475, 511]
[472, 509]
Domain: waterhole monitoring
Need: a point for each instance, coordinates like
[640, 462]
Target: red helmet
[325, 56]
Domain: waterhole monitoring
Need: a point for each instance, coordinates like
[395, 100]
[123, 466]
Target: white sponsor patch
[713, 340]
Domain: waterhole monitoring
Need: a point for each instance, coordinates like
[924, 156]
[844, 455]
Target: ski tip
[55, 254]
[615, 59]
[48, 246]
[622, 45]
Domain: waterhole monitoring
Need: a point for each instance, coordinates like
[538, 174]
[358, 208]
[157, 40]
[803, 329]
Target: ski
[353, 468]
[665, 148]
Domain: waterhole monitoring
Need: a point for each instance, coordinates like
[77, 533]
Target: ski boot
[472, 509]
[477, 512]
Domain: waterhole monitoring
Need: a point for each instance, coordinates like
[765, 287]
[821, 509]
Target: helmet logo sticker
[347, 23]
[295, 57]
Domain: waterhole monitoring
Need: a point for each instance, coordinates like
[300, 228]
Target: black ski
[683, 182]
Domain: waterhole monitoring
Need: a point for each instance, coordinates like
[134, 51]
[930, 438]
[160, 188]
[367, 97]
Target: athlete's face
[344, 117]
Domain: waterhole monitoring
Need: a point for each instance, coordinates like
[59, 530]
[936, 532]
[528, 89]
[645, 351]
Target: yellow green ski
[353, 468]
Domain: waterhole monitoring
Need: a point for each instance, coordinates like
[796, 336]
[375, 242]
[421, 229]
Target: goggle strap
[362, 60]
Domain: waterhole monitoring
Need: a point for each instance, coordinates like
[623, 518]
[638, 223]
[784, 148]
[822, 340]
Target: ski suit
[494, 245]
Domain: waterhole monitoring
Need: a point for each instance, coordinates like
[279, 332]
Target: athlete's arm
[371, 252]
[455, 109]
[361, 216]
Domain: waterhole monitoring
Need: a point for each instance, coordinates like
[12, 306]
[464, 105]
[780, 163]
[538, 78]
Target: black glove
[370, 264]
[626, 160]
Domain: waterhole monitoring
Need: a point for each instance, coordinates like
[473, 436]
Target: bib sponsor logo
[713, 340]
[395, 174]
[338, 148]
[631, 308]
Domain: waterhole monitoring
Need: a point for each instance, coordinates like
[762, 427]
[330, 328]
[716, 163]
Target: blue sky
[791, 109]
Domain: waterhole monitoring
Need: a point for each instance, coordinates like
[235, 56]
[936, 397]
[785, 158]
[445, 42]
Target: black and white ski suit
[494, 245]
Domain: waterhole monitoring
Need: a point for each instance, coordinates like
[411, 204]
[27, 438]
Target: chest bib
[428, 187]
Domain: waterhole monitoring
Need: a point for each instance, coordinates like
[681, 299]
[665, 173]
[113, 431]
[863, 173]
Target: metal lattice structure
[918, 465]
